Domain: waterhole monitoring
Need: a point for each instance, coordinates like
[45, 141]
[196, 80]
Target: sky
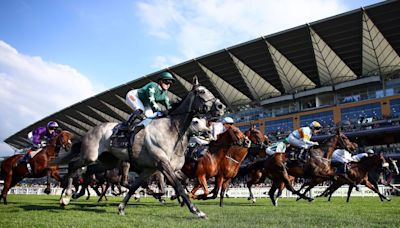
[54, 53]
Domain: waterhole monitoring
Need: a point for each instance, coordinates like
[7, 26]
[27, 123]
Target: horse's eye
[202, 91]
[195, 122]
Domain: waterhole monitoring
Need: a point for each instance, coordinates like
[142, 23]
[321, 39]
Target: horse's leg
[196, 187]
[104, 192]
[176, 184]
[202, 182]
[288, 185]
[375, 184]
[88, 193]
[349, 193]
[376, 190]
[271, 193]
[7, 186]
[71, 172]
[218, 185]
[139, 181]
[225, 186]
[255, 178]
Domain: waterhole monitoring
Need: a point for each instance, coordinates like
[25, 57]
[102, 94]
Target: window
[325, 118]
[282, 125]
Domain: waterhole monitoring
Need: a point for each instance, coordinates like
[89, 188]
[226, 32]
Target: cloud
[198, 27]
[32, 88]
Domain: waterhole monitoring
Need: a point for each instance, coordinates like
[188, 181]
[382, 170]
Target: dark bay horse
[358, 173]
[318, 167]
[13, 173]
[160, 146]
[221, 161]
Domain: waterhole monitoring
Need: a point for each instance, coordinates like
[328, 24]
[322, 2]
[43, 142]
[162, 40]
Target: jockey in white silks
[201, 145]
[360, 156]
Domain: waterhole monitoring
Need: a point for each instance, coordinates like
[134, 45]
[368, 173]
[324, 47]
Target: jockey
[145, 101]
[360, 156]
[39, 139]
[279, 147]
[340, 158]
[300, 138]
[200, 144]
[218, 128]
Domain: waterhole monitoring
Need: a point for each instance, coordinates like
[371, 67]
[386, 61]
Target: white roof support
[331, 68]
[378, 56]
[258, 86]
[292, 78]
[232, 95]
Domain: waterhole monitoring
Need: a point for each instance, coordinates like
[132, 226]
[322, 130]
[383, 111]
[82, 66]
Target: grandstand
[342, 71]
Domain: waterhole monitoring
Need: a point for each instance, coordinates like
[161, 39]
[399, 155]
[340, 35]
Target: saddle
[119, 137]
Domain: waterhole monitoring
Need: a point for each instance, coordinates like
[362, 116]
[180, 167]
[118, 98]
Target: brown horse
[318, 166]
[221, 161]
[14, 173]
[358, 173]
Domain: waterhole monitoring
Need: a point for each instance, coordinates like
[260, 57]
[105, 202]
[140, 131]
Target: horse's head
[341, 141]
[393, 166]
[63, 139]
[198, 126]
[204, 102]
[233, 135]
[257, 138]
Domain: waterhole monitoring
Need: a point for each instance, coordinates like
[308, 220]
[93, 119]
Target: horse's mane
[225, 139]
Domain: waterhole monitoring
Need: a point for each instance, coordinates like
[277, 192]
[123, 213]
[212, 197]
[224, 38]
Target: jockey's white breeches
[135, 103]
[299, 143]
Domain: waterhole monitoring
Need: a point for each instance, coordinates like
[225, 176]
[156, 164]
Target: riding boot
[136, 117]
[300, 155]
[24, 159]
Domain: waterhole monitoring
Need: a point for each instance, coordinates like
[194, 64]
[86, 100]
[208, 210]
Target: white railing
[236, 192]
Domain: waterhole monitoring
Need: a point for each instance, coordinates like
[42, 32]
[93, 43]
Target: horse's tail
[75, 150]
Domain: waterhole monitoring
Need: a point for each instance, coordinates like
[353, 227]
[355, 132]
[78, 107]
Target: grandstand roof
[325, 53]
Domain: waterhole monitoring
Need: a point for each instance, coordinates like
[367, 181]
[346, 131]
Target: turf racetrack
[44, 211]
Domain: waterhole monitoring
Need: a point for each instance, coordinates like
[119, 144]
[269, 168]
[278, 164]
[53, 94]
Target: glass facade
[395, 107]
[324, 118]
[282, 125]
[353, 114]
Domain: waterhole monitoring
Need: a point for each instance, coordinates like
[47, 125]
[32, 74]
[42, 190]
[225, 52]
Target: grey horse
[160, 146]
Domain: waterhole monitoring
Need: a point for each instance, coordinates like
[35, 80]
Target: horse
[318, 167]
[376, 175]
[159, 146]
[222, 161]
[387, 177]
[358, 173]
[272, 167]
[40, 163]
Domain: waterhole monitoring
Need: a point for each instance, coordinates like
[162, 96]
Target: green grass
[44, 211]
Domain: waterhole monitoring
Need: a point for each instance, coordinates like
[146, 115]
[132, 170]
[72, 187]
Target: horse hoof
[64, 202]
[47, 191]
[201, 215]
[310, 199]
[254, 200]
[121, 209]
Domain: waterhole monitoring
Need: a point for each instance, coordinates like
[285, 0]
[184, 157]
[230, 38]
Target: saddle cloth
[119, 137]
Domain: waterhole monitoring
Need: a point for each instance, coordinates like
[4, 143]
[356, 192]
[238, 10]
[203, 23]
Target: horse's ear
[338, 131]
[195, 81]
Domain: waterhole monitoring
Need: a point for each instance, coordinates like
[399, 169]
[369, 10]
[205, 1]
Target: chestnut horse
[358, 173]
[221, 161]
[14, 173]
